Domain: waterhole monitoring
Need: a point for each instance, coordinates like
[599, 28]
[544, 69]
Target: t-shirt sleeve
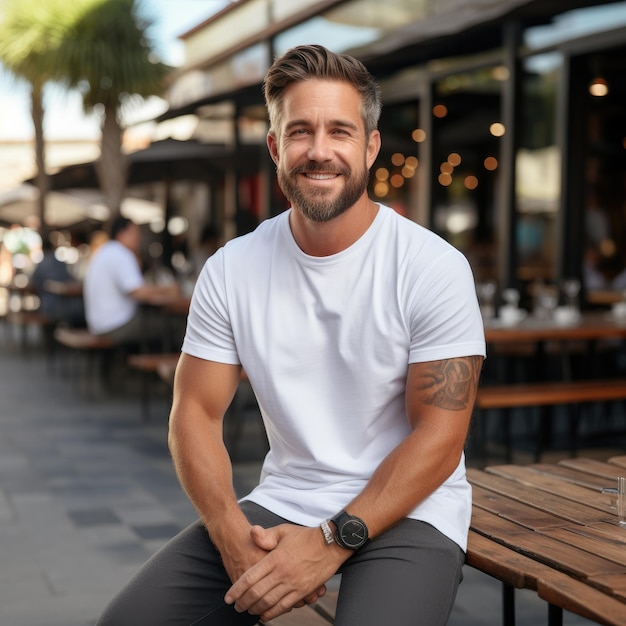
[128, 276]
[445, 320]
[209, 333]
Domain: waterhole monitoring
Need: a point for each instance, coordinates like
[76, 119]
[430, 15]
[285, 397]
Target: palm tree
[107, 55]
[30, 32]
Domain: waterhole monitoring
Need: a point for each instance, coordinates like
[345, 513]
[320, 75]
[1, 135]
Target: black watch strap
[351, 531]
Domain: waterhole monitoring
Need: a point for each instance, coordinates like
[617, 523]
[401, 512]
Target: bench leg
[508, 605]
[555, 615]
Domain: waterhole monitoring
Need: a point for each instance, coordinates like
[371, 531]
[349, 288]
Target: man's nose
[320, 148]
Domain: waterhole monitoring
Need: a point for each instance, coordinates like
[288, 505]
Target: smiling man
[361, 336]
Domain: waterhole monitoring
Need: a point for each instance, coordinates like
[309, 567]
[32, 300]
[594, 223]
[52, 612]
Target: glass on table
[486, 293]
[618, 499]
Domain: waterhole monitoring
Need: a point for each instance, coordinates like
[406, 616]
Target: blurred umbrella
[65, 209]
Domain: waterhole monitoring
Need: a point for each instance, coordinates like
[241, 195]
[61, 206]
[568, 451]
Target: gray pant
[408, 576]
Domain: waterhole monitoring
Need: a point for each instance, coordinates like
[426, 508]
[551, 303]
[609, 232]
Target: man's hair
[118, 224]
[314, 61]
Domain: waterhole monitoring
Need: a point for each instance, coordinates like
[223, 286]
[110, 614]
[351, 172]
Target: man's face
[131, 237]
[321, 151]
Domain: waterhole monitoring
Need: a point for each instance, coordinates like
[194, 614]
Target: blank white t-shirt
[112, 274]
[326, 343]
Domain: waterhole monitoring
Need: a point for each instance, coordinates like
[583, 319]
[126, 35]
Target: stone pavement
[88, 493]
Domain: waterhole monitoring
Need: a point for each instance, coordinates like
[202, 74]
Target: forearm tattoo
[450, 384]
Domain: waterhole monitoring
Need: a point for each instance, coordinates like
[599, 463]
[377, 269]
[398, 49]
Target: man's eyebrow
[338, 123]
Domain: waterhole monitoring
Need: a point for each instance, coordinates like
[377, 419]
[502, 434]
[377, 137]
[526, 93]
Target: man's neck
[331, 237]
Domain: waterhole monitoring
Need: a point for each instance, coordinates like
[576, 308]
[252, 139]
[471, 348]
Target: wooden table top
[557, 531]
[604, 296]
[591, 326]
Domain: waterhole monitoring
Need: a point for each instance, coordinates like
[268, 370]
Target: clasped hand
[291, 574]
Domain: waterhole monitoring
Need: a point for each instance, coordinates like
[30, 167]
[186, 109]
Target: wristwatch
[351, 531]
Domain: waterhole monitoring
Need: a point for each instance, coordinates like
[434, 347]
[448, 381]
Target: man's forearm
[205, 472]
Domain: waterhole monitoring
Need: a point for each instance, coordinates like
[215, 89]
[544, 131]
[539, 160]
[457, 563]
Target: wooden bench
[163, 364]
[25, 319]
[546, 394]
[81, 341]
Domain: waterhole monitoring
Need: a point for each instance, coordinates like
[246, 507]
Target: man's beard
[313, 204]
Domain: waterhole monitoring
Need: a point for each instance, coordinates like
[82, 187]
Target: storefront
[503, 121]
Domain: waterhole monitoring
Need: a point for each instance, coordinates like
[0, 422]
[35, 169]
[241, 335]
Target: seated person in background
[593, 277]
[114, 286]
[619, 282]
[55, 306]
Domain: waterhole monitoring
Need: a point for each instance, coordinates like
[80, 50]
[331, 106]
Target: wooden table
[604, 296]
[591, 326]
[549, 528]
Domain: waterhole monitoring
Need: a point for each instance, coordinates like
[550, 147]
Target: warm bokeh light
[446, 167]
[491, 163]
[397, 159]
[470, 182]
[397, 181]
[440, 110]
[382, 174]
[497, 129]
[444, 179]
[598, 87]
[412, 162]
[418, 135]
[454, 158]
[501, 73]
[381, 190]
[408, 172]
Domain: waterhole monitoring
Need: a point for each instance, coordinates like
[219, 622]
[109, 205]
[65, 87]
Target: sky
[64, 118]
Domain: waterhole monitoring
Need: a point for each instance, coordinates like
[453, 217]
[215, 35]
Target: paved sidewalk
[88, 493]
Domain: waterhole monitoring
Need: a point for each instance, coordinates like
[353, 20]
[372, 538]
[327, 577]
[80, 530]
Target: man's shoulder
[413, 232]
[266, 232]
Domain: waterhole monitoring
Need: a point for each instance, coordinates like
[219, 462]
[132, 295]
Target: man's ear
[272, 145]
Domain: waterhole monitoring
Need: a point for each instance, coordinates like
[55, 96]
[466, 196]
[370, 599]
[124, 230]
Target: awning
[169, 159]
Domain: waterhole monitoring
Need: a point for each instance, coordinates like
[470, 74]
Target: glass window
[538, 170]
[575, 24]
[604, 133]
[353, 24]
[466, 161]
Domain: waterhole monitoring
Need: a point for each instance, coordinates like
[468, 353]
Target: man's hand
[297, 564]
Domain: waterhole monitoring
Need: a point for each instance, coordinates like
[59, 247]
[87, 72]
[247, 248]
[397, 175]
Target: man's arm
[440, 397]
[148, 292]
[203, 390]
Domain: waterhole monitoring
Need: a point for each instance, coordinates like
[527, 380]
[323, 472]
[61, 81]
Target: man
[361, 336]
[57, 307]
[114, 286]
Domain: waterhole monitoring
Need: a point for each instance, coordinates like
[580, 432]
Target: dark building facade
[503, 121]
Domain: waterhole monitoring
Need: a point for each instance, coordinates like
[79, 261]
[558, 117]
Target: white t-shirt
[112, 274]
[326, 343]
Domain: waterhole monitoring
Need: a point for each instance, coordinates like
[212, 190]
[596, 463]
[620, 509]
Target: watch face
[353, 533]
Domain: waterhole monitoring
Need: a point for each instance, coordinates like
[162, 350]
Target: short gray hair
[314, 61]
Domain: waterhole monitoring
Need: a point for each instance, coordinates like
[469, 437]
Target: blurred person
[55, 306]
[362, 338]
[593, 278]
[208, 245]
[114, 286]
[619, 282]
